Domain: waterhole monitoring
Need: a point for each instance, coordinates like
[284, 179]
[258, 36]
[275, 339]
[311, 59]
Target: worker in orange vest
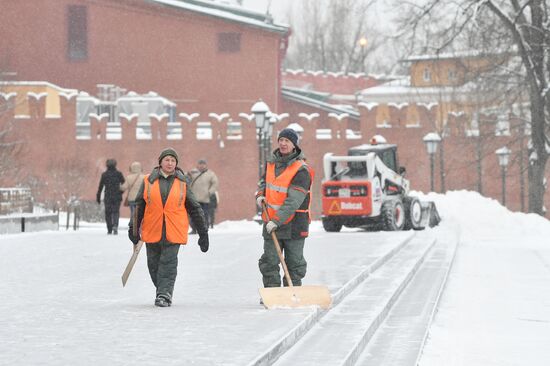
[162, 205]
[286, 191]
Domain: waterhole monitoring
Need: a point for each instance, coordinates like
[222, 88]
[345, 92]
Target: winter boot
[162, 301]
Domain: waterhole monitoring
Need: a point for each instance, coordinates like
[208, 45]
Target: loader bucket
[296, 297]
[430, 216]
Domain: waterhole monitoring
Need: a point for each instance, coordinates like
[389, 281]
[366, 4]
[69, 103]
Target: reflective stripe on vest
[276, 188]
[173, 213]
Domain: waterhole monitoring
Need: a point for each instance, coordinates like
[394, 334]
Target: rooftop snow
[401, 90]
[291, 95]
[228, 12]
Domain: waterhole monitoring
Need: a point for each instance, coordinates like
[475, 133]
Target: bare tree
[10, 145]
[333, 35]
[9, 151]
[520, 27]
[68, 179]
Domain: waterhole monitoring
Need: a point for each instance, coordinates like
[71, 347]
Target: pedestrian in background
[132, 184]
[111, 180]
[285, 189]
[204, 184]
[163, 203]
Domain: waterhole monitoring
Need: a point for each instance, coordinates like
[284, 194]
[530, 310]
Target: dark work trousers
[112, 213]
[293, 251]
[211, 216]
[162, 261]
[205, 210]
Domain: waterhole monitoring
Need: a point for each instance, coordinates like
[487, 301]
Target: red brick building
[208, 63]
[203, 56]
[58, 161]
[211, 61]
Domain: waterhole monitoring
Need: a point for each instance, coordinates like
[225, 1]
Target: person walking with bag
[204, 185]
[162, 205]
[286, 192]
[111, 180]
[131, 185]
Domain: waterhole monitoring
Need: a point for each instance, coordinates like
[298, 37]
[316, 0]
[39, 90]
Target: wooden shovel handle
[279, 251]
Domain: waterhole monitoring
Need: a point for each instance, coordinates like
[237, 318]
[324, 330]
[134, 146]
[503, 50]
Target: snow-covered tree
[520, 28]
[66, 180]
[332, 35]
[9, 150]
[10, 146]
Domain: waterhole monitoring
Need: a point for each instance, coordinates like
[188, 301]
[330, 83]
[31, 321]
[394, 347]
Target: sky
[278, 8]
[379, 17]
[63, 303]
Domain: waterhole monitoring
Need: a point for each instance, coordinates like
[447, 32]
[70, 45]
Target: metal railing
[15, 200]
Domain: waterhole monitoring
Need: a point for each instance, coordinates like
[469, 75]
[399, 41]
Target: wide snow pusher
[367, 189]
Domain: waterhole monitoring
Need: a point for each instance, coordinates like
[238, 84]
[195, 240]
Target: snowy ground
[63, 303]
[496, 306]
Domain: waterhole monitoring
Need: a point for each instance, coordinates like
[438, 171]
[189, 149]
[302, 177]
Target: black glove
[204, 242]
[133, 239]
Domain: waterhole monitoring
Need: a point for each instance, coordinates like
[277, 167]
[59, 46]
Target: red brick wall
[335, 83]
[48, 141]
[459, 152]
[142, 47]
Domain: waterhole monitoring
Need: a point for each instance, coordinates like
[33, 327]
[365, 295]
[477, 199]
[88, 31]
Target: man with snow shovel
[163, 202]
[285, 192]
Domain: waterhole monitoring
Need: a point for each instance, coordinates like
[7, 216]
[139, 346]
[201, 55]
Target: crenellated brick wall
[51, 147]
[332, 82]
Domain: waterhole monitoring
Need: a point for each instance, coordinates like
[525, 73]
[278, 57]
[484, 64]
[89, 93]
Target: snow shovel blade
[296, 297]
[131, 263]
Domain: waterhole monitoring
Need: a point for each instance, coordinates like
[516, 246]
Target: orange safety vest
[276, 189]
[173, 213]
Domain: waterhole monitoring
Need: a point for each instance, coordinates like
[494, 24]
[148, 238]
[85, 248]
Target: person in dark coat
[111, 180]
[285, 190]
[164, 205]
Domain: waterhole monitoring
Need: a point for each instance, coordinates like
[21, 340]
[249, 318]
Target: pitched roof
[316, 100]
[231, 13]
[460, 55]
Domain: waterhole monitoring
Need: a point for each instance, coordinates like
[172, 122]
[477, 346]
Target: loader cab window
[389, 158]
[357, 168]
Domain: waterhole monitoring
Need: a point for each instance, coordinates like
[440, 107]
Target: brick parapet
[235, 160]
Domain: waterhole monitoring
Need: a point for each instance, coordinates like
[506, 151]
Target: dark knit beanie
[166, 152]
[290, 134]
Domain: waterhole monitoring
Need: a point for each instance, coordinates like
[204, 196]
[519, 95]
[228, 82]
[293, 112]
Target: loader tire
[393, 215]
[331, 225]
[413, 213]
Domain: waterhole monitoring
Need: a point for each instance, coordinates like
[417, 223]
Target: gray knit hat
[290, 134]
[168, 151]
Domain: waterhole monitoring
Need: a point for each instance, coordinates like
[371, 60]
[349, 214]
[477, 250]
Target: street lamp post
[260, 111]
[503, 158]
[431, 140]
[264, 128]
[268, 133]
[363, 53]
